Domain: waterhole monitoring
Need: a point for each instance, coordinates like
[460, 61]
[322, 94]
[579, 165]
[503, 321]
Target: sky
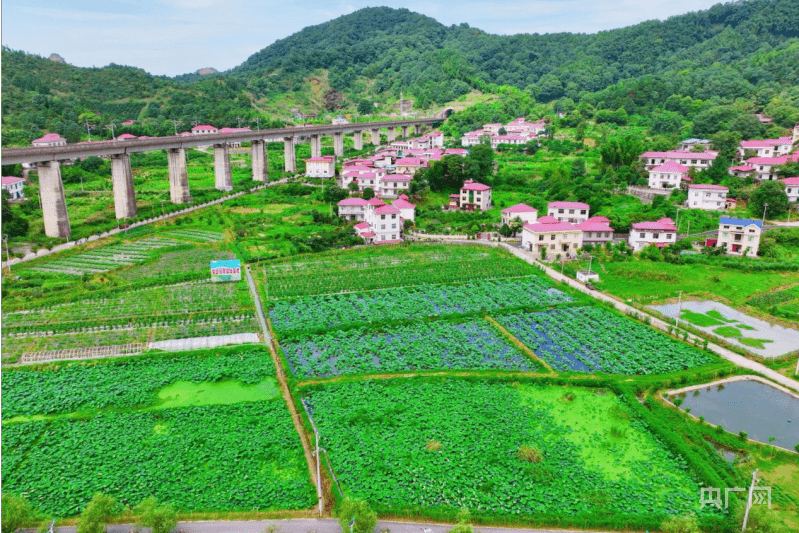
[171, 37]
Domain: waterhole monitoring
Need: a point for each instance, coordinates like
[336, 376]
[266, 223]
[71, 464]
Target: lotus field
[360, 270]
[333, 311]
[203, 445]
[591, 339]
[498, 449]
[472, 345]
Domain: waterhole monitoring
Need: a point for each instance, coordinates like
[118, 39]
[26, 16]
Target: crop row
[378, 271]
[315, 313]
[197, 235]
[123, 383]
[592, 339]
[440, 345]
[775, 298]
[189, 298]
[218, 457]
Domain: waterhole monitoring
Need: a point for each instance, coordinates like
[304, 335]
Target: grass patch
[727, 331]
[699, 319]
[718, 316]
[754, 343]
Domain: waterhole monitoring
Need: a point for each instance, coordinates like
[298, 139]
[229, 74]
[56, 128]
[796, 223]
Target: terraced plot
[197, 235]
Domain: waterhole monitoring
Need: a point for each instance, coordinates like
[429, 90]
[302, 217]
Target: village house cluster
[517, 132]
[565, 229]
[379, 222]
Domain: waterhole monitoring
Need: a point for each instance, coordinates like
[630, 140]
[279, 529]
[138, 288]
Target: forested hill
[404, 50]
[744, 50]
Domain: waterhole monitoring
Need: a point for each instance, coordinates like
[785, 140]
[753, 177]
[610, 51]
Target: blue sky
[173, 37]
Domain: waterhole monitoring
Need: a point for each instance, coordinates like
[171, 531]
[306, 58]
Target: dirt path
[284, 387]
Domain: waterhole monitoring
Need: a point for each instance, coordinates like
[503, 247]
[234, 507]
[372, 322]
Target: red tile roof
[387, 210]
[403, 203]
[594, 226]
[520, 208]
[353, 201]
[654, 226]
[470, 185]
[376, 202]
[681, 154]
[362, 225]
[8, 180]
[546, 219]
[599, 218]
[790, 181]
[781, 160]
[671, 166]
[49, 137]
[568, 205]
[547, 228]
[367, 234]
[708, 186]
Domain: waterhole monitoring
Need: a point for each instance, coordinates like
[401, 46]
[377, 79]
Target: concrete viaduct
[47, 161]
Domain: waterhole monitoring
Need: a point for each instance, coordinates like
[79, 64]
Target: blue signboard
[228, 270]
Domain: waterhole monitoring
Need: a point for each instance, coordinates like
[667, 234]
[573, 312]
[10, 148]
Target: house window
[540, 237]
[641, 235]
[393, 216]
[382, 217]
[668, 236]
[552, 237]
[393, 226]
[655, 235]
[382, 226]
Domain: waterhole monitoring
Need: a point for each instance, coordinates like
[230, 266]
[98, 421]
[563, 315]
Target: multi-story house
[707, 196]
[527, 214]
[574, 212]
[50, 139]
[660, 233]
[320, 167]
[596, 231]
[698, 160]
[474, 196]
[14, 186]
[791, 188]
[555, 238]
[764, 166]
[739, 236]
[667, 176]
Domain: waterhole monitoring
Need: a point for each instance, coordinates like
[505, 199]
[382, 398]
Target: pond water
[751, 406]
[722, 321]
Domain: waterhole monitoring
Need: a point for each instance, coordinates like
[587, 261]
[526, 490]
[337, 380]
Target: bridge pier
[259, 161]
[124, 195]
[405, 132]
[54, 204]
[357, 140]
[375, 136]
[391, 135]
[288, 154]
[178, 176]
[222, 178]
[418, 129]
[316, 145]
[338, 144]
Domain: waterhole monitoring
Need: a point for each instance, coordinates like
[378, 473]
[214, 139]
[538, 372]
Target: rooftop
[740, 221]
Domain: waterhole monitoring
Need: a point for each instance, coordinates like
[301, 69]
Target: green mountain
[746, 50]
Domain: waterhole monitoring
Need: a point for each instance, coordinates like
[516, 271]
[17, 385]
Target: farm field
[440, 345]
[145, 315]
[364, 269]
[334, 311]
[204, 445]
[592, 339]
[500, 449]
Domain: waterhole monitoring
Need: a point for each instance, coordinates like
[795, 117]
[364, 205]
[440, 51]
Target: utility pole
[318, 473]
[679, 310]
[89, 127]
[258, 123]
[765, 206]
[175, 124]
[749, 500]
[111, 127]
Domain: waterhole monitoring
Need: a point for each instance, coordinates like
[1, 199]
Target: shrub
[680, 524]
[17, 512]
[160, 518]
[433, 445]
[359, 511]
[94, 518]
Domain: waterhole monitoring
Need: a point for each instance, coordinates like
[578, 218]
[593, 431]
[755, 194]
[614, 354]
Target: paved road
[325, 525]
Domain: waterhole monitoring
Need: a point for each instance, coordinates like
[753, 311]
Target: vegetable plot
[221, 457]
[591, 339]
[440, 345]
[499, 449]
[334, 311]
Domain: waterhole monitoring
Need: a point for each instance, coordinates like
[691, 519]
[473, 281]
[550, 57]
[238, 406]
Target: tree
[97, 514]
[352, 186]
[771, 193]
[578, 168]
[161, 518]
[333, 194]
[516, 225]
[364, 107]
[505, 231]
[726, 142]
[333, 100]
[364, 518]
[368, 193]
[14, 225]
[579, 133]
[17, 512]
[483, 157]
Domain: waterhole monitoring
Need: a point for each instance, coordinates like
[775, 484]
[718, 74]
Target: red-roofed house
[203, 129]
[392, 185]
[667, 176]
[320, 167]
[595, 233]
[574, 212]
[352, 208]
[129, 123]
[764, 165]
[698, 160]
[475, 196]
[456, 151]
[472, 138]
[557, 238]
[741, 171]
[385, 224]
[660, 233]
[14, 186]
[50, 139]
[524, 212]
[600, 219]
[707, 196]
[436, 139]
[408, 165]
[126, 137]
[791, 188]
[546, 219]
[407, 209]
